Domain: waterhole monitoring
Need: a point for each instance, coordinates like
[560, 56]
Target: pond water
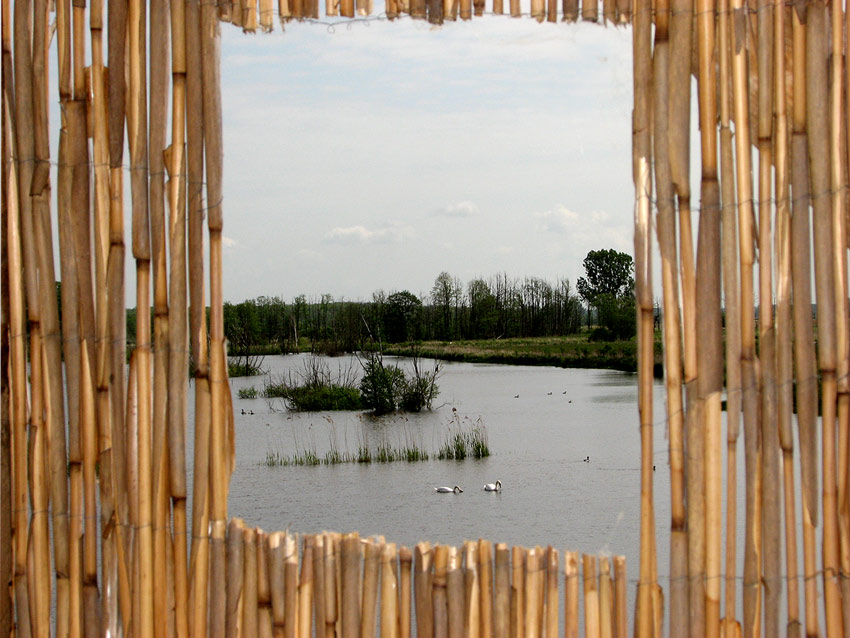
[541, 423]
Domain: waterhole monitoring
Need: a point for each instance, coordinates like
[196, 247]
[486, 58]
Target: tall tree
[609, 287]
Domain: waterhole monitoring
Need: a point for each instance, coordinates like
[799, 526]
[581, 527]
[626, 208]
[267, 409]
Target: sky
[375, 155]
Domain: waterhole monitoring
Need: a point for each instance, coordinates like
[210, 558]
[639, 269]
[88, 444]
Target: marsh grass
[247, 393]
[316, 387]
[465, 438]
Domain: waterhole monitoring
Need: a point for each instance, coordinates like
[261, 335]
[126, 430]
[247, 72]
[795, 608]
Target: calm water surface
[541, 422]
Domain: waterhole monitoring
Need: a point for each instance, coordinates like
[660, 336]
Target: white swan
[446, 490]
[493, 487]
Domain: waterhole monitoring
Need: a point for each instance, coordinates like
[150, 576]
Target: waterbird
[447, 490]
[243, 410]
[493, 487]
[586, 459]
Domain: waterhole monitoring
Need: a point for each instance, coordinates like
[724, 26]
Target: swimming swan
[446, 490]
[493, 487]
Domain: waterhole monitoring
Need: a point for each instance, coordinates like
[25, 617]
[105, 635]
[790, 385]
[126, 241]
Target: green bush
[382, 386]
[247, 393]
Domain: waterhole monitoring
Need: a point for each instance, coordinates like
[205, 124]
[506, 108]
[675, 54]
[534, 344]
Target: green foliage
[316, 388]
[609, 287]
[402, 316]
[462, 441]
[385, 389]
[247, 393]
[240, 368]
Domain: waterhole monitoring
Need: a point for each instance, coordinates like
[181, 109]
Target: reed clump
[247, 393]
[315, 387]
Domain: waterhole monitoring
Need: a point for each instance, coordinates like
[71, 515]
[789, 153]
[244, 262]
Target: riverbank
[573, 351]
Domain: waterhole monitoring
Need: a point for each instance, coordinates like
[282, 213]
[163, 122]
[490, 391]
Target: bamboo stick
[439, 599]
[305, 592]
[590, 11]
[552, 598]
[621, 617]
[485, 570]
[235, 577]
[38, 560]
[732, 316]
[838, 181]
[371, 564]
[532, 593]
[472, 591]
[276, 583]
[516, 11]
[816, 104]
[709, 321]
[6, 569]
[290, 613]
[319, 583]
[606, 598]
[405, 559]
[518, 555]
[804, 353]
[784, 373]
[641, 162]
[502, 592]
[666, 228]
[389, 592]
[455, 603]
[571, 577]
[570, 10]
[466, 9]
[264, 592]
[422, 586]
[591, 596]
[350, 607]
[752, 546]
[538, 11]
[250, 626]
[332, 581]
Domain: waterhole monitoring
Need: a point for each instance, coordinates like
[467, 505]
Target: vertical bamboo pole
[552, 598]
[177, 317]
[132, 478]
[666, 228]
[606, 598]
[405, 559]
[305, 592]
[91, 620]
[331, 580]
[485, 570]
[319, 583]
[276, 584]
[538, 11]
[389, 592]
[571, 576]
[371, 564]
[532, 593]
[678, 146]
[350, 607]
[590, 11]
[250, 626]
[235, 577]
[516, 10]
[472, 591]
[455, 603]
[838, 183]
[570, 10]
[290, 613]
[197, 321]
[732, 315]
[752, 545]
[38, 561]
[804, 352]
[439, 598]
[621, 616]
[591, 596]
[517, 592]
[816, 105]
[784, 373]
[220, 454]
[709, 321]
[502, 593]
[641, 163]
[6, 570]
[264, 592]
[422, 586]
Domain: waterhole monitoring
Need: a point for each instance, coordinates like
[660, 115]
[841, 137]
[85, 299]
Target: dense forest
[497, 307]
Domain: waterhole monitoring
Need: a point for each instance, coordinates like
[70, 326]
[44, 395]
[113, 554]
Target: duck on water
[493, 487]
[446, 490]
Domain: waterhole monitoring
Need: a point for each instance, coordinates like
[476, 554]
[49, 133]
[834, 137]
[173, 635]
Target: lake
[541, 423]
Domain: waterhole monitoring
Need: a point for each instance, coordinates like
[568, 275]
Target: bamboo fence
[94, 532]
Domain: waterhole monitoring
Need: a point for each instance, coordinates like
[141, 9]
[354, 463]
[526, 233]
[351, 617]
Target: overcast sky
[374, 156]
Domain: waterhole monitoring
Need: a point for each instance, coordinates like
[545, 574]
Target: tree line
[496, 307]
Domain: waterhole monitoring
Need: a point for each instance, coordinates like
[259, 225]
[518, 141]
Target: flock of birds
[489, 487]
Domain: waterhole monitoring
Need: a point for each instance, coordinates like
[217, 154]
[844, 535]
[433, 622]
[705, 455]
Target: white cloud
[559, 220]
[362, 235]
[458, 209]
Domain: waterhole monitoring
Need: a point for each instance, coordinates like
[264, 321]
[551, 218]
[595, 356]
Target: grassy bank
[566, 352]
